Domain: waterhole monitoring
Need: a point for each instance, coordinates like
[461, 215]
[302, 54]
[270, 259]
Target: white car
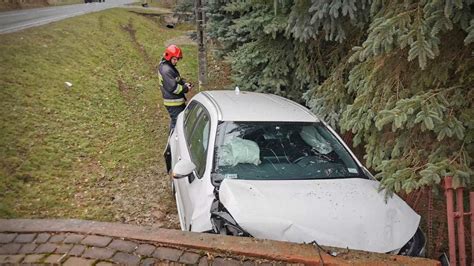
[252, 164]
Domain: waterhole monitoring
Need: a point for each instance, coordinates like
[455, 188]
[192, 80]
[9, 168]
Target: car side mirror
[183, 168]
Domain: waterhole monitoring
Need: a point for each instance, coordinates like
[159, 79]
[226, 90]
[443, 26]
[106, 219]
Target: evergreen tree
[399, 75]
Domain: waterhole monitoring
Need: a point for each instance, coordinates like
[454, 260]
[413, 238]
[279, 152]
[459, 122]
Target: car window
[282, 150]
[198, 143]
[191, 106]
[190, 117]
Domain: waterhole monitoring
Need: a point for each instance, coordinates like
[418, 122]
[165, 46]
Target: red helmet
[172, 51]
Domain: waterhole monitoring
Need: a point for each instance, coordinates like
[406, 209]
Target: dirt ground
[144, 199]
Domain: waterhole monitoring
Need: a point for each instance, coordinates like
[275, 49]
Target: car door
[193, 145]
[198, 142]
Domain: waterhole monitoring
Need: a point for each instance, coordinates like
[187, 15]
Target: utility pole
[202, 59]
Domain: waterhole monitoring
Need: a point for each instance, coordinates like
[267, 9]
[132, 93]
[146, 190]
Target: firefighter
[173, 87]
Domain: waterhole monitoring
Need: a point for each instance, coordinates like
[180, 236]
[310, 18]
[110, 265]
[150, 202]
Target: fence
[456, 219]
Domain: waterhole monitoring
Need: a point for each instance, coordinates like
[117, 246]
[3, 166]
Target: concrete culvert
[170, 21]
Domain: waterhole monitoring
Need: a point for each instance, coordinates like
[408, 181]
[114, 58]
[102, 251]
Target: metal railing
[456, 219]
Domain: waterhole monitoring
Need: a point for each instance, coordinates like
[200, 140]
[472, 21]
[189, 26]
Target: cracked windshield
[267, 150]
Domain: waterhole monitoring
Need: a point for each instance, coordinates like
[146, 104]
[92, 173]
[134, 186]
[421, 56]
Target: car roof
[253, 106]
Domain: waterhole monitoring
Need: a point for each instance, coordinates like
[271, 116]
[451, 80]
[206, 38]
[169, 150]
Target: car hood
[346, 213]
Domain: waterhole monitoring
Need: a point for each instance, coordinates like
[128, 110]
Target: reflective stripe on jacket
[171, 84]
[174, 102]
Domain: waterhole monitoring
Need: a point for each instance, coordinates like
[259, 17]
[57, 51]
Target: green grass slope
[72, 152]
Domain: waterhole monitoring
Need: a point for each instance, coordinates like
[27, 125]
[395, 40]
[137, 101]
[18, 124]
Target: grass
[67, 152]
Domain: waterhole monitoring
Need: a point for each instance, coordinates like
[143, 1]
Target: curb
[237, 246]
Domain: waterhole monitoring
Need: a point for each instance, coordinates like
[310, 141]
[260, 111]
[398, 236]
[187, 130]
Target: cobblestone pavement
[81, 249]
[78, 242]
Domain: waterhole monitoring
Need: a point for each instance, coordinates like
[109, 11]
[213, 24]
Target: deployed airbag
[238, 150]
[311, 136]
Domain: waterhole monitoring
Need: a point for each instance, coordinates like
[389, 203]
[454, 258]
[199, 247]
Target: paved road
[21, 19]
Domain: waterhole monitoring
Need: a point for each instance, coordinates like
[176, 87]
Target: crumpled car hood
[340, 213]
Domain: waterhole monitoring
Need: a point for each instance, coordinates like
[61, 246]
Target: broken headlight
[415, 247]
[223, 223]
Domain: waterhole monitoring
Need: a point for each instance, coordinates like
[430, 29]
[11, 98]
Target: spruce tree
[398, 75]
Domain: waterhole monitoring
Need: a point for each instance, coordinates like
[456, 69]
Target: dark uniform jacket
[171, 84]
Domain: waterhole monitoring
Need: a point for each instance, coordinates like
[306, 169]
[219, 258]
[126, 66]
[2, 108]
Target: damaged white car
[259, 165]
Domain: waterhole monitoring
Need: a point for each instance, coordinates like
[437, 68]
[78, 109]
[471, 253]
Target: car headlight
[415, 247]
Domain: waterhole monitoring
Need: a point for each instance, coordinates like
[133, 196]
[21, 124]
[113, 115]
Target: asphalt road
[12, 21]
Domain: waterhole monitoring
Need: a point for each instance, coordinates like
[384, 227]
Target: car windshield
[281, 150]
